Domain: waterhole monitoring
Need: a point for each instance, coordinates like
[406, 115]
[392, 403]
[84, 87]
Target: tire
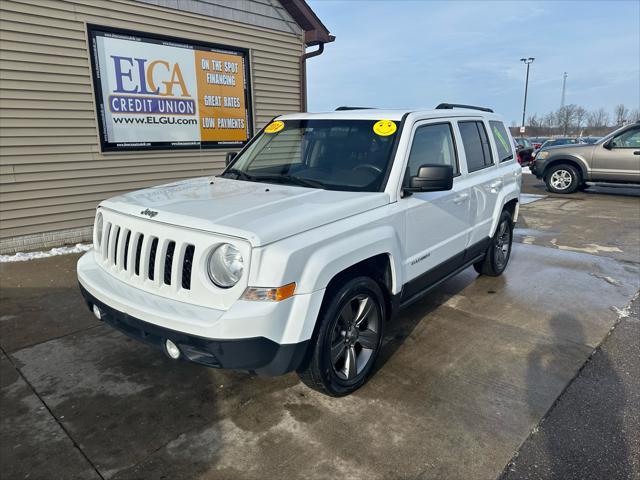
[562, 178]
[342, 356]
[582, 187]
[498, 253]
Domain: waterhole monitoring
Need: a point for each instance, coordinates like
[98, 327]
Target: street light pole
[527, 62]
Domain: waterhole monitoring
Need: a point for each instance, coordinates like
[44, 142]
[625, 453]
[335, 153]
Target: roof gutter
[303, 74]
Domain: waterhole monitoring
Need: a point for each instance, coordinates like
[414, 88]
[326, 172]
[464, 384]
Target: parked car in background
[589, 140]
[538, 141]
[524, 151]
[553, 142]
[613, 159]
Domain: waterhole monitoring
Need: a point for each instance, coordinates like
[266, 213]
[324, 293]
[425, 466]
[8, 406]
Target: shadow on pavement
[574, 440]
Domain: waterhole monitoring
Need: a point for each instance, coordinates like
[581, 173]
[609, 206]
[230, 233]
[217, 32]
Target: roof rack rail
[444, 106]
[344, 107]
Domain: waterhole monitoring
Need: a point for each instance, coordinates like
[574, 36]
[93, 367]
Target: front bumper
[536, 168]
[259, 354]
[264, 337]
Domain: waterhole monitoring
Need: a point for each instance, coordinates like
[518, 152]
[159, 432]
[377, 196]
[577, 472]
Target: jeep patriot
[300, 251]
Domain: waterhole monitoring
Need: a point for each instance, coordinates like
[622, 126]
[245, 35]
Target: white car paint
[290, 234]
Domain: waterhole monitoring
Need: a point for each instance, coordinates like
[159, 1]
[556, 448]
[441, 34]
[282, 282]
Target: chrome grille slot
[111, 250]
[187, 264]
[168, 262]
[138, 254]
[105, 240]
[152, 258]
[126, 250]
[114, 258]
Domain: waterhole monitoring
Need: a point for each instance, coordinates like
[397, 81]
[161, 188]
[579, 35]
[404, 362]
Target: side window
[432, 145]
[628, 139]
[505, 151]
[476, 145]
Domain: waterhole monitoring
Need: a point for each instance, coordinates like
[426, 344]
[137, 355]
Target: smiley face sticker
[384, 128]
[274, 127]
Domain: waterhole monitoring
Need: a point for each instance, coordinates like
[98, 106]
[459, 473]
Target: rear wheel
[563, 178]
[497, 257]
[348, 340]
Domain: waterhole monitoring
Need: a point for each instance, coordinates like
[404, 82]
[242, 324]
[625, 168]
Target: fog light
[97, 312]
[172, 349]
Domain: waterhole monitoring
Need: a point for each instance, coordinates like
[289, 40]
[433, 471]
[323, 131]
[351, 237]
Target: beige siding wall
[52, 174]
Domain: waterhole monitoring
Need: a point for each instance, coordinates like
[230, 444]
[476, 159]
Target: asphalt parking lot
[465, 377]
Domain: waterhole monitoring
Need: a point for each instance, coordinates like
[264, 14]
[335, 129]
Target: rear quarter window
[501, 138]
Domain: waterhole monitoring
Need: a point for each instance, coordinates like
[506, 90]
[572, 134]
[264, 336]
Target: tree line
[574, 120]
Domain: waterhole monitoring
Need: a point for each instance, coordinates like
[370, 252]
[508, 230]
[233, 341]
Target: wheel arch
[575, 162]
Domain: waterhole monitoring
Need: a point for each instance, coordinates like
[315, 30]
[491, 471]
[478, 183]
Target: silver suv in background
[613, 159]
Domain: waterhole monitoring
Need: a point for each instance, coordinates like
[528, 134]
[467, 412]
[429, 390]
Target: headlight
[97, 230]
[225, 265]
[542, 155]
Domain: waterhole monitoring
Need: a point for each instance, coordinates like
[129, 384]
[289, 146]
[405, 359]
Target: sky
[418, 53]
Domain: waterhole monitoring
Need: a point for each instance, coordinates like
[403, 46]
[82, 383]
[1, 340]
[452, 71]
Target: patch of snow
[526, 198]
[588, 248]
[23, 257]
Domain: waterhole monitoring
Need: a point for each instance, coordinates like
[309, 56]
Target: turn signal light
[265, 294]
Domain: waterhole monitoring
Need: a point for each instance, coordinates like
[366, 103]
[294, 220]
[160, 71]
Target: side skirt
[417, 288]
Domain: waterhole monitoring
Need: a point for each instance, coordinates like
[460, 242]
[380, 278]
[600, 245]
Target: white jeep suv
[296, 256]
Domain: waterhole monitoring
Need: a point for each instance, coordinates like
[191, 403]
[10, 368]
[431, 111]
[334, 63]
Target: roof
[315, 31]
[388, 114]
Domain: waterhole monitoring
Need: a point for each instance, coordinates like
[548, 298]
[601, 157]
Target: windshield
[332, 154]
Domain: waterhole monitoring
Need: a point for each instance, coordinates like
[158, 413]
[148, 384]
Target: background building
[70, 70]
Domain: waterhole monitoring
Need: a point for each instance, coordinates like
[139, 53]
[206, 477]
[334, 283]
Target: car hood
[259, 212]
[577, 147]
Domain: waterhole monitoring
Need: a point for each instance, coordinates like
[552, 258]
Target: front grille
[148, 256]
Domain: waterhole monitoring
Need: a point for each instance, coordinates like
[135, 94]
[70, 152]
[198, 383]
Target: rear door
[621, 161]
[437, 223]
[508, 168]
[483, 180]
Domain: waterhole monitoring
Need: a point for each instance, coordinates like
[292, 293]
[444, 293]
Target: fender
[510, 192]
[331, 259]
[326, 252]
[564, 157]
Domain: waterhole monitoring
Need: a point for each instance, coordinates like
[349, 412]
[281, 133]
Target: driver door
[621, 160]
[437, 224]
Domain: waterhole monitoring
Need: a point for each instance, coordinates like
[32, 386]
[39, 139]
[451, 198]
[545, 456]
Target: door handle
[458, 199]
[637, 152]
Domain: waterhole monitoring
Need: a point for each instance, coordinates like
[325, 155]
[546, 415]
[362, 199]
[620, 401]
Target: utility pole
[527, 62]
[564, 89]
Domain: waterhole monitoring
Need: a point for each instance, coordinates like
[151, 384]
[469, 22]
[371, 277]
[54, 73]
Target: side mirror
[431, 178]
[230, 157]
[608, 144]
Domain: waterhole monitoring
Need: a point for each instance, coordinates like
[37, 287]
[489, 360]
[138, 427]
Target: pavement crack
[22, 347]
[44, 404]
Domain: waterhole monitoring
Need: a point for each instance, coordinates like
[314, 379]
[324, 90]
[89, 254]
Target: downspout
[303, 74]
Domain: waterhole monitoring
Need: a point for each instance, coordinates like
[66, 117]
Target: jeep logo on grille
[148, 213]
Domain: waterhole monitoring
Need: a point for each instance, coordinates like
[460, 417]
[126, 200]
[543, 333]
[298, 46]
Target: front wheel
[563, 179]
[348, 340]
[497, 257]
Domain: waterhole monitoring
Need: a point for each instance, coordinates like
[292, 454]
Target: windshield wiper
[303, 182]
[239, 174]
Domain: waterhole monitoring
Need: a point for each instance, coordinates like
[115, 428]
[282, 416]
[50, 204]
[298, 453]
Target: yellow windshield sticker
[274, 127]
[384, 128]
